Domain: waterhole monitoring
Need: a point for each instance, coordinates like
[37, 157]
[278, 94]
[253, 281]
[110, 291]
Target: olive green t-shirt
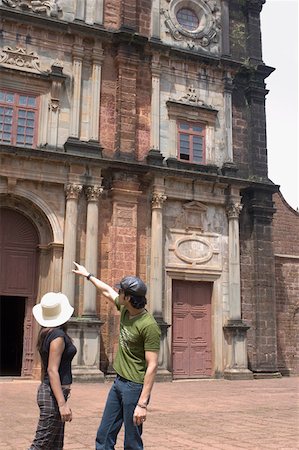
[137, 335]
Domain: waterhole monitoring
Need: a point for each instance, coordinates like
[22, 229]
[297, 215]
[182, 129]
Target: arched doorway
[19, 241]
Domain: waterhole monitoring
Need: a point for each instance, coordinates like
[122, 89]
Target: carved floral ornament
[233, 210]
[196, 20]
[72, 191]
[158, 199]
[48, 7]
[93, 192]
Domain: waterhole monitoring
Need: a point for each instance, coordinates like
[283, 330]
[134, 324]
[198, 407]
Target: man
[135, 363]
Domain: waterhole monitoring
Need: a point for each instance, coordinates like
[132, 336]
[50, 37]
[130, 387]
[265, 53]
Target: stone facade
[286, 248]
[104, 184]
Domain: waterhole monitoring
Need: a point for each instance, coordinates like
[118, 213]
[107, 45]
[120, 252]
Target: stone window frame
[199, 8]
[178, 111]
[40, 88]
[190, 134]
[16, 107]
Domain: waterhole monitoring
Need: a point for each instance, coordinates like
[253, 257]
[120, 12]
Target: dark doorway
[12, 314]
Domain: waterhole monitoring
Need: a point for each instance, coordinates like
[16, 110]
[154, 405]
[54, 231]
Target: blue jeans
[121, 403]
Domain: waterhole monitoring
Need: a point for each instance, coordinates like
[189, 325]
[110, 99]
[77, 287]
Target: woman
[57, 351]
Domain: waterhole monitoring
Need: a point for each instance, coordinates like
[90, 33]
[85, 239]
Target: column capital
[233, 210]
[98, 54]
[158, 199]
[93, 192]
[72, 191]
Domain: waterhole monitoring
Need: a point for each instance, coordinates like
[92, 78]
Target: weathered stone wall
[286, 248]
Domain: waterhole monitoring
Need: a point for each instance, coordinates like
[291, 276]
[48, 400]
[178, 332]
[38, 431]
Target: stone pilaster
[78, 54]
[258, 275]
[91, 250]
[129, 15]
[97, 59]
[254, 44]
[234, 329]
[255, 94]
[225, 27]
[70, 233]
[155, 30]
[127, 64]
[155, 109]
[57, 78]
[228, 87]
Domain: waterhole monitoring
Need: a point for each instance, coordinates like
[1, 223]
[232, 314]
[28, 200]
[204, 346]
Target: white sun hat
[53, 310]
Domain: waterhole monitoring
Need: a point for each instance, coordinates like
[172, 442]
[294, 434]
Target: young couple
[135, 365]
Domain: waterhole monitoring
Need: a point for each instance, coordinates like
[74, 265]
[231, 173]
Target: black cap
[132, 285]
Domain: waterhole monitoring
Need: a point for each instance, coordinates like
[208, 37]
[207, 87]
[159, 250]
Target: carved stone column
[233, 212]
[78, 53]
[91, 250]
[156, 274]
[70, 232]
[85, 330]
[234, 329]
[157, 253]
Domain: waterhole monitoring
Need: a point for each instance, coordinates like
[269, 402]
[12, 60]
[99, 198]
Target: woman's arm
[55, 353]
[104, 288]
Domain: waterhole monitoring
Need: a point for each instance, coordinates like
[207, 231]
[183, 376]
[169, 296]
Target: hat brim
[65, 314]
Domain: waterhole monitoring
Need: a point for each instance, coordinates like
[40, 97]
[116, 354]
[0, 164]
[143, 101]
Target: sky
[279, 25]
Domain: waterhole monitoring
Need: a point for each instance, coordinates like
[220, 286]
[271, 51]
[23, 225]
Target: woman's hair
[137, 302]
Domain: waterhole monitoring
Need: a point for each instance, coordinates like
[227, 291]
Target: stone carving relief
[20, 58]
[194, 250]
[191, 97]
[192, 216]
[196, 22]
[48, 7]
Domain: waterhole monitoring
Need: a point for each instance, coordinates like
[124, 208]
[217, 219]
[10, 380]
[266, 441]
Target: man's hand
[139, 415]
[80, 270]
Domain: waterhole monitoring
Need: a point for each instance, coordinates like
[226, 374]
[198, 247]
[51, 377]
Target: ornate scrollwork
[158, 199]
[93, 192]
[48, 7]
[20, 58]
[233, 210]
[72, 191]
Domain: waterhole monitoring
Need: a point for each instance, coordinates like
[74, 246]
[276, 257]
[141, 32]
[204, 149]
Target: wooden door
[191, 332]
[18, 276]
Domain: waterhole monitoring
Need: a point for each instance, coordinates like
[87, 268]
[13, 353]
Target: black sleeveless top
[65, 369]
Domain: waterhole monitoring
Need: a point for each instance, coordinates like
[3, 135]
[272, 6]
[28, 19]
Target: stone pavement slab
[185, 415]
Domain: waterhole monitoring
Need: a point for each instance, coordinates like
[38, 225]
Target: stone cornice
[60, 156]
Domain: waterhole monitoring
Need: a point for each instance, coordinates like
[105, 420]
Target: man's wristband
[89, 275]
[141, 406]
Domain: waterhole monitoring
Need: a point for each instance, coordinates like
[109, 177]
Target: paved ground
[190, 415]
